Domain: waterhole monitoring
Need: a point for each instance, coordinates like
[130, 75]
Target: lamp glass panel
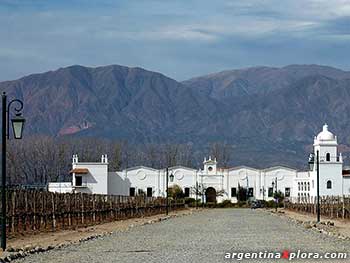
[17, 126]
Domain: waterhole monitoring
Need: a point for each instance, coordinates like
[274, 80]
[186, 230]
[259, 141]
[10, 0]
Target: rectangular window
[149, 192]
[78, 181]
[233, 192]
[287, 192]
[187, 192]
[270, 193]
[250, 192]
[140, 192]
[132, 191]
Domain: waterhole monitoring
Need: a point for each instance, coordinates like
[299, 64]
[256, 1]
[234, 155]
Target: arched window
[299, 186]
[329, 184]
[308, 186]
[328, 157]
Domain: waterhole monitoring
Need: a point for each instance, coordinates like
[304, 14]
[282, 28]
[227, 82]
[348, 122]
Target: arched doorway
[210, 195]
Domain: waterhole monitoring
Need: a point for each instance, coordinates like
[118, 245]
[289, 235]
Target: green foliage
[270, 204]
[241, 204]
[141, 192]
[279, 196]
[176, 192]
[225, 204]
[211, 204]
[190, 201]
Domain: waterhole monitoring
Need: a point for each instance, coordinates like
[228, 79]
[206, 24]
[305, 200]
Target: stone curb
[12, 253]
[324, 227]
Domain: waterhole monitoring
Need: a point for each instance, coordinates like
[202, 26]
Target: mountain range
[269, 115]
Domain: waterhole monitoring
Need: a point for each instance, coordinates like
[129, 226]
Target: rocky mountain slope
[268, 115]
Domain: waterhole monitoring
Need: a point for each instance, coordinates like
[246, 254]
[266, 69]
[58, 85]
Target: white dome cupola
[325, 134]
[325, 137]
[326, 144]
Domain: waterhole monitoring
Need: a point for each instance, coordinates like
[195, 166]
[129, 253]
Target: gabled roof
[79, 171]
[181, 167]
[210, 162]
[243, 167]
[279, 167]
[141, 167]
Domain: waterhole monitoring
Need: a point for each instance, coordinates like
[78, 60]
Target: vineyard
[30, 211]
[330, 206]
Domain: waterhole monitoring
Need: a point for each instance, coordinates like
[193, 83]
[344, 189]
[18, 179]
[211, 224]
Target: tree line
[37, 160]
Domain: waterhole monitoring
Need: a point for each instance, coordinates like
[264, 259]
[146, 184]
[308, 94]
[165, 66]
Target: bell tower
[330, 164]
[210, 165]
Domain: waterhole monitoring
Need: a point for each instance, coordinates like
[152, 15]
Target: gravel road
[201, 237]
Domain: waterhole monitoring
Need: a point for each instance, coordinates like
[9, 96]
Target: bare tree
[222, 152]
[171, 153]
[41, 159]
[116, 157]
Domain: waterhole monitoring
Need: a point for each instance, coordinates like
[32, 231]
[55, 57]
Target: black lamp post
[312, 164]
[273, 187]
[318, 186]
[17, 127]
[171, 177]
[196, 195]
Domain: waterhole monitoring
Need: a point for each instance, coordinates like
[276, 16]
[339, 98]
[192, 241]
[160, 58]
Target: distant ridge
[268, 114]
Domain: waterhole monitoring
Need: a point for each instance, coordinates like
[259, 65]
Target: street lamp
[247, 189]
[276, 199]
[262, 191]
[171, 177]
[312, 165]
[17, 128]
[311, 161]
[318, 185]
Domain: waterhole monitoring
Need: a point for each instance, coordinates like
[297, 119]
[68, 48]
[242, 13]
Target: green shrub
[242, 204]
[176, 192]
[211, 204]
[270, 204]
[190, 201]
[225, 204]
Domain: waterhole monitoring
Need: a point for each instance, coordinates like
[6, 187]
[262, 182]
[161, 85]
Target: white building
[216, 183]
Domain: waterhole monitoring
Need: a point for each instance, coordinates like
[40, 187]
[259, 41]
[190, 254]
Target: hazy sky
[180, 38]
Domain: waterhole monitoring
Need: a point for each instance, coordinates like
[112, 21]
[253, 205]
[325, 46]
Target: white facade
[331, 165]
[216, 183]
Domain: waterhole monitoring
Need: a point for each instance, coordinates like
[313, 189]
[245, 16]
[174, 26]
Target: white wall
[143, 177]
[346, 185]
[118, 184]
[332, 172]
[62, 187]
[183, 177]
[285, 178]
[238, 177]
[95, 181]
